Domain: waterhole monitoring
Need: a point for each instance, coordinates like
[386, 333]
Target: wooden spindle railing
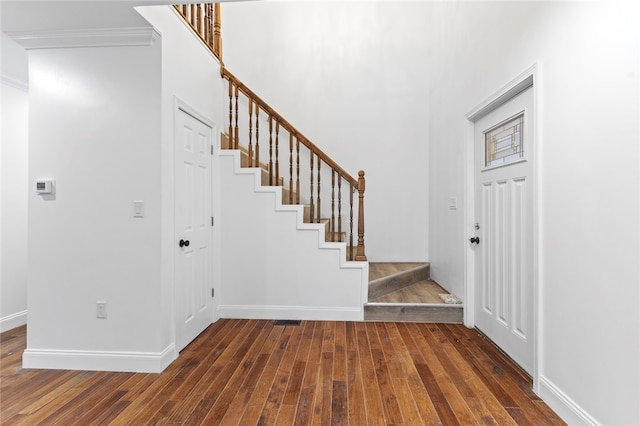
[204, 20]
[318, 160]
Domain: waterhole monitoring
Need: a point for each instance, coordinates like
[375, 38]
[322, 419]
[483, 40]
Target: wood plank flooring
[250, 372]
[384, 269]
[402, 282]
[425, 291]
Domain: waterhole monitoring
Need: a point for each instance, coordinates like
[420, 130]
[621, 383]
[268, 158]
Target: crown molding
[94, 37]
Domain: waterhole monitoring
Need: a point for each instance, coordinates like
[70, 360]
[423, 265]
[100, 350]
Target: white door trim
[180, 105]
[530, 77]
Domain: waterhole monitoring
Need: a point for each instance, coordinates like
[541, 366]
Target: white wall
[263, 266]
[94, 126]
[588, 55]
[13, 186]
[276, 266]
[103, 118]
[349, 76]
[372, 71]
[192, 74]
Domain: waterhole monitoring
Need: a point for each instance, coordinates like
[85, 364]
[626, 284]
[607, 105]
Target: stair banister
[284, 123]
[315, 153]
[204, 19]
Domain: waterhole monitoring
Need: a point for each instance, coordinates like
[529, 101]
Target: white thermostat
[44, 186]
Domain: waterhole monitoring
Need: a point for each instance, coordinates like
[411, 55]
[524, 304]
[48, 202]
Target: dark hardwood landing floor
[248, 372]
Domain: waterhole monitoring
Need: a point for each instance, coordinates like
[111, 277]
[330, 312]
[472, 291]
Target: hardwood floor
[247, 372]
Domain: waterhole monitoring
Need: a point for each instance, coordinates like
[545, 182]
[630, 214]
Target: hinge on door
[211, 149]
[212, 292]
[211, 220]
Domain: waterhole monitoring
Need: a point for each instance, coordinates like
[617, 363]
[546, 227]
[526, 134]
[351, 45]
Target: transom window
[503, 142]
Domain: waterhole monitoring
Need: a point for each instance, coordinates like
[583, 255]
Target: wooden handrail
[284, 123]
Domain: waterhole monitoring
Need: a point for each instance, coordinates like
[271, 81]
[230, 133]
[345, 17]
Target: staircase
[269, 142]
[308, 182]
[289, 197]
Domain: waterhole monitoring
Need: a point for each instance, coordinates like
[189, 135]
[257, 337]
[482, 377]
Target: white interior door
[193, 230]
[503, 234]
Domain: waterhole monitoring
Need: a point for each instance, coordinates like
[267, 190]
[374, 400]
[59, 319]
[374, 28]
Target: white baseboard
[291, 313]
[12, 321]
[564, 406]
[134, 362]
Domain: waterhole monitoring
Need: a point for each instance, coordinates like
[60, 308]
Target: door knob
[184, 243]
[474, 240]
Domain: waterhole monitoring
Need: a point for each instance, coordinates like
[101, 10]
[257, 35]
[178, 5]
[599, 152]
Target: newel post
[360, 256]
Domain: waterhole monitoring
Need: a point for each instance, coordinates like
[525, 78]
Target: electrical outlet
[101, 309]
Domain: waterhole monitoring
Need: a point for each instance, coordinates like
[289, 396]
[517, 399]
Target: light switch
[138, 209]
[453, 203]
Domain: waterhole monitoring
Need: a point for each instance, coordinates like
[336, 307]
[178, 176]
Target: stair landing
[405, 292]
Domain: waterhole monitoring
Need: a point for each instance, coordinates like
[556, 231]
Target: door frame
[529, 78]
[180, 106]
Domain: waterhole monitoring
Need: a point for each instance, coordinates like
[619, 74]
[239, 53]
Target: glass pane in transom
[503, 142]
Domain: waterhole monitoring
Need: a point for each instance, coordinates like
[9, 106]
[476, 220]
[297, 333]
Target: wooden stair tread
[413, 312]
[383, 269]
[397, 281]
[244, 161]
[423, 291]
[404, 292]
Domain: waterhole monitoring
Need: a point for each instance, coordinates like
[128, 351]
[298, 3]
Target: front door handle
[184, 243]
[474, 240]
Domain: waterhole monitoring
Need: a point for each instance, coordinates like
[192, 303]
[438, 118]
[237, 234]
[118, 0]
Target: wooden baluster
[205, 23]
[297, 170]
[250, 148]
[270, 151]
[199, 19]
[231, 138]
[360, 256]
[217, 25]
[192, 16]
[311, 208]
[208, 25]
[333, 204]
[213, 23]
[236, 133]
[319, 215]
[339, 207]
[290, 168]
[185, 11]
[351, 251]
[277, 153]
[257, 149]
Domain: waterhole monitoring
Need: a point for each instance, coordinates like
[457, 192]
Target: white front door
[193, 229]
[503, 229]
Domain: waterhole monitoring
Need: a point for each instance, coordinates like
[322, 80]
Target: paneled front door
[503, 235]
